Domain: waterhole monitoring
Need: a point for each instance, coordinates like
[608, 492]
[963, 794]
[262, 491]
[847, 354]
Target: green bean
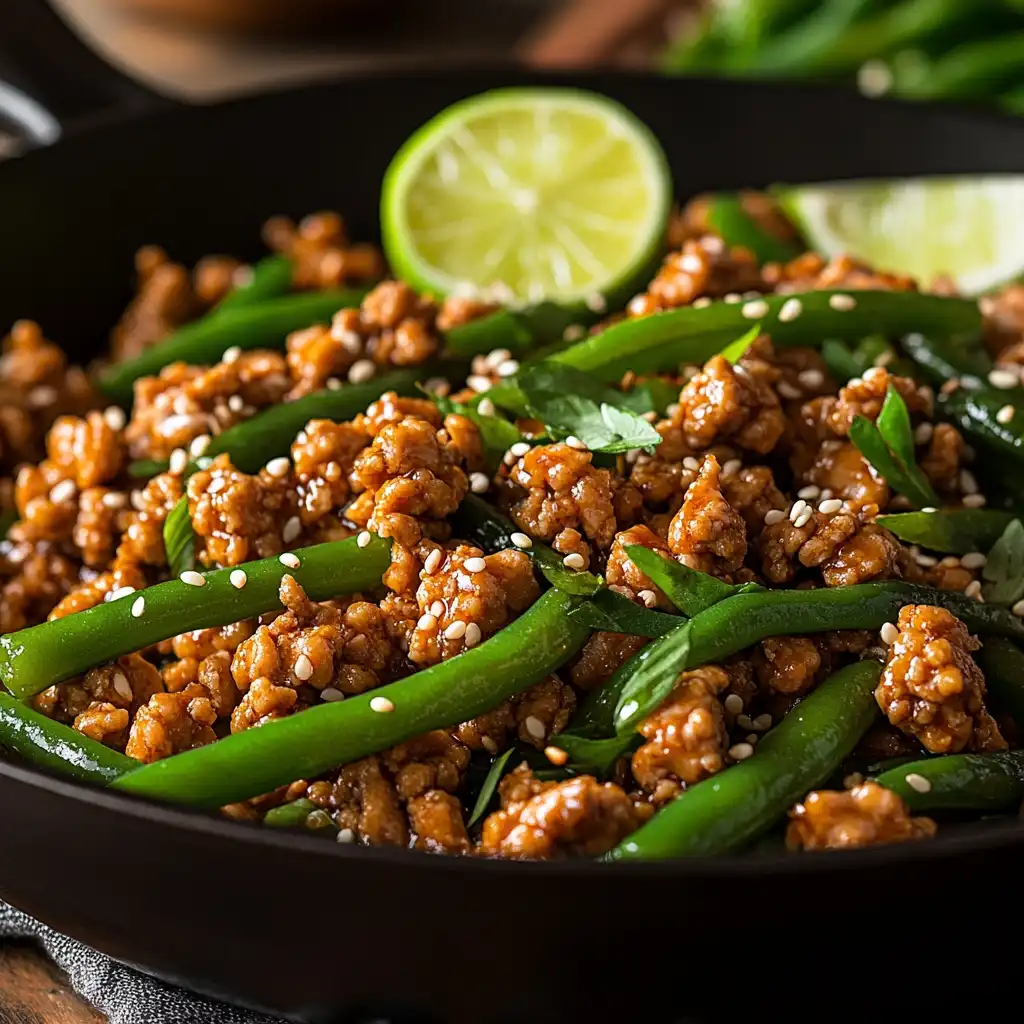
[265, 324]
[976, 412]
[974, 70]
[271, 432]
[518, 330]
[39, 656]
[271, 277]
[959, 782]
[1012, 100]
[726, 215]
[745, 619]
[1002, 661]
[727, 811]
[58, 748]
[304, 745]
[945, 357]
[290, 815]
[949, 530]
[664, 341]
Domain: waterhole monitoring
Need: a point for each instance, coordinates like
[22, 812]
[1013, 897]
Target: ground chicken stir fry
[748, 501]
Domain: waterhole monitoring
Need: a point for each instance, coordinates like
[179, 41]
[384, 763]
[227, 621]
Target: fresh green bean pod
[664, 341]
[304, 745]
[35, 658]
[271, 278]
[948, 356]
[262, 325]
[975, 411]
[1002, 661]
[960, 782]
[727, 216]
[290, 815]
[518, 330]
[724, 813]
[44, 743]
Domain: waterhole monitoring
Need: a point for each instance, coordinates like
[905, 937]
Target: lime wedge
[525, 195]
[967, 228]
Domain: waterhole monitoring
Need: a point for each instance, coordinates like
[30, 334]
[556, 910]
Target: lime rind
[577, 212]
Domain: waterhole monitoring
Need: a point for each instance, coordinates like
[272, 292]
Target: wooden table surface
[33, 991]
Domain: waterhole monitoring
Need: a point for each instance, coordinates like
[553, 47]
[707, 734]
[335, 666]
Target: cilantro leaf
[487, 790]
[737, 349]
[1004, 570]
[179, 539]
[615, 613]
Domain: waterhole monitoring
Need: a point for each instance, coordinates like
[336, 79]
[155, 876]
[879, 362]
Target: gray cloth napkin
[125, 996]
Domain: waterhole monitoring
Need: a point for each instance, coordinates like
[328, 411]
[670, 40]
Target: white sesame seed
[811, 378]
[873, 372]
[831, 506]
[331, 695]
[842, 303]
[1018, 608]
[797, 510]
[763, 722]
[112, 499]
[968, 484]
[473, 635]
[888, 633]
[741, 751]
[791, 309]
[596, 302]
[279, 467]
[507, 368]
[381, 704]
[345, 835]
[744, 722]
[122, 686]
[805, 518]
[303, 667]
[363, 539]
[733, 703]
[474, 565]
[236, 403]
[924, 432]
[973, 589]
[138, 607]
[810, 492]
[973, 560]
[479, 383]
[573, 332]
[292, 529]
[950, 562]
[489, 745]
[787, 391]
[361, 371]
[1003, 379]
[755, 310]
[535, 727]
[238, 578]
[437, 609]
[41, 396]
[649, 598]
[478, 483]
[1005, 415]
[485, 407]
[927, 561]
[116, 595]
[427, 621]
[733, 297]
[193, 578]
[199, 445]
[973, 500]
[495, 358]
[918, 782]
[519, 449]
[691, 464]
[114, 417]
[289, 559]
[64, 491]
[432, 561]
[731, 467]
[574, 561]
[521, 541]
[456, 631]
[574, 442]
[773, 516]
[217, 484]
[178, 461]
[231, 354]
[629, 708]
[138, 500]
[702, 303]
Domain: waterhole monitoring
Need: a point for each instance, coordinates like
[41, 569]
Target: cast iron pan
[321, 933]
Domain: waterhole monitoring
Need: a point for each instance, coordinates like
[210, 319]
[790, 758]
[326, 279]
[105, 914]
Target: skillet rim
[966, 839]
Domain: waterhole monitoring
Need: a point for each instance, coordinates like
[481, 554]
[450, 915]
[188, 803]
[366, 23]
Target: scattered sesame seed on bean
[193, 578]
[507, 368]
[231, 354]
[810, 492]
[363, 539]
[238, 578]
[519, 449]
[731, 467]
[791, 309]
[574, 561]
[888, 633]
[485, 407]
[345, 835]
[918, 782]
[574, 442]
[733, 703]
[755, 310]
[1005, 415]
[479, 383]
[702, 303]
[199, 445]
[1018, 608]
[973, 589]
[437, 608]
[289, 559]
[1003, 379]
[479, 483]
[974, 500]
[331, 695]
[114, 417]
[842, 303]
[279, 467]
[973, 560]
[691, 464]
[64, 491]
[122, 686]
[138, 607]
[382, 704]
[116, 595]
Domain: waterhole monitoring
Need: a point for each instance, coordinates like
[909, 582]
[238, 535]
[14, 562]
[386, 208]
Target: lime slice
[524, 195]
[964, 227]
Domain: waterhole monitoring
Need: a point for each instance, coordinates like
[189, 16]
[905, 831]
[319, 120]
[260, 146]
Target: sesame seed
[238, 578]
[64, 491]
[556, 755]
[741, 751]
[888, 633]
[744, 722]
[303, 667]
[573, 332]
[485, 407]
[974, 500]
[929, 508]
[574, 442]
[193, 578]
[289, 559]
[535, 727]
[596, 302]
[361, 371]
[733, 703]
[345, 835]
[924, 432]
[791, 309]
[479, 383]
[116, 595]
[1005, 414]
[973, 589]
[363, 539]
[427, 621]
[114, 417]
[236, 403]
[495, 358]
[474, 565]
[432, 561]
[731, 467]
[968, 484]
[216, 485]
[811, 378]
[763, 722]
[334, 384]
[797, 510]
[627, 709]
[649, 598]
[926, 561]
[873, 372]
[507, 368]
[974, 560]
[842, 303]
[752, 738]
[574, 561]
[437, 608]
[293, 528]
[473, 635]
[382, 704]
[1018, 608]
[278, 467]
[489, 745]
[755, 310]
[810, 492]
[702, 303]
[733, 297]
[331, 695]
[773, 516]
[521, 541]
[1003, 379]
[42, 396]
[918, 782]
[478, 482]
[199, 445]
[831, 506]
[114, 500]
[456, 631]
[138, 607]
[787, 390]
[519, 449]
[950, 562]
[691, 463]
[122, 686]
[231, 354]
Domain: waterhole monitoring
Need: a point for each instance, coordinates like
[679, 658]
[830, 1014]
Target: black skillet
[300, 926]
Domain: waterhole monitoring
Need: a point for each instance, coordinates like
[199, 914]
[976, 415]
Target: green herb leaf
[652, 682]
[894, 426]
[595, 757]
[615, 613]
[497, 434]
[578, 582]
[490, 786]
[845, 361]
[654, 395]
[689, 590]
[956, 531]
[179, 539]
[737, 349]
[907, 479]
[1004, 569]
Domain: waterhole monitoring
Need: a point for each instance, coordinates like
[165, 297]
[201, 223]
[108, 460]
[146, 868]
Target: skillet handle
[50, 81]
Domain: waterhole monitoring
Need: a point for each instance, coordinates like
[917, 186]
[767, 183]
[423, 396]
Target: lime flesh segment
[966, 228]
[527, 195]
